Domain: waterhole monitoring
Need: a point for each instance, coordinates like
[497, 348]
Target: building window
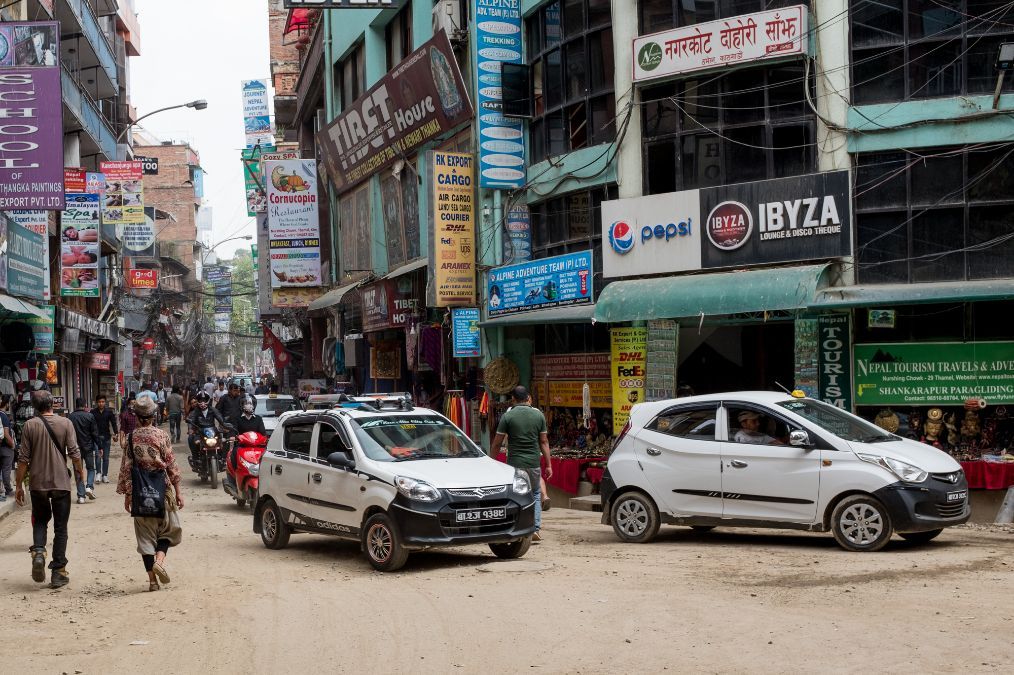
[399, 36]
[350, 75]
[914, 49]
[659, 15]
[400, 200]
[356, 232]
[570, 51]
[948, 216]
[747, 125]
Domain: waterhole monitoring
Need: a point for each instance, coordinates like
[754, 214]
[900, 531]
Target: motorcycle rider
[231, 405]
[202, 417]
[247, 421]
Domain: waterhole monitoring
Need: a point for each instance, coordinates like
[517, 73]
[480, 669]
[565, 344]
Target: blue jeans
[102, 444]
[534, 477]
[88, 457]
[174, 426]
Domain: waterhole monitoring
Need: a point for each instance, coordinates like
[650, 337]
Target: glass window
[660, 168]
[938, 236]
[834, 420]
[753, 427]
[991, 230]
[695, 424]
[297, 437]
[659, 15]
[569, 223]
[877, 23]
[399, 36]
[883, 247]
[878, 75]
[408, 437]
[274, 407]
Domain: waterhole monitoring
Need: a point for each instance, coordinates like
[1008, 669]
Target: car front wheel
[861, 523]
[382, 544]
[635, 518]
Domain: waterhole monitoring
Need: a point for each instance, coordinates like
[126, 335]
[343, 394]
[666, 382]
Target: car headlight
[416, 489]
[522, 486]
[903, 470]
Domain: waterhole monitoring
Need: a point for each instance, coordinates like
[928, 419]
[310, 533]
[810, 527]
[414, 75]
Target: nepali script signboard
[750, 37]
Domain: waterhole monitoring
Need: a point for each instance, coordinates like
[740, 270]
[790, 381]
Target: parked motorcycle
[242, 467]
[212, 449]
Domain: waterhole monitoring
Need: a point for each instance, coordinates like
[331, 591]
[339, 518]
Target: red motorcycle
[243, 468]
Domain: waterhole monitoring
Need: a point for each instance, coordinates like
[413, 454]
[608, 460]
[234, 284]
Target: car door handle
[277, 470]
[654, 452]
[317, 478]
[738, 464]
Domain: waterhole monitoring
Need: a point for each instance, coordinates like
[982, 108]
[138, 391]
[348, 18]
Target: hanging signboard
[79, 246]
[124, 197]
[257, 114]
[661, 360]
[293, 223]
[517, 235]
[75, 179]
[629, 365]
[501, 139]
[452, 243]
[417, 100]
[24, 255]
[465, 332]
[139, 238]
[37, 222]
[834, 362]
[559, 281]
[31, 136]
[727, 42]
[388, 303]
[98, 360]
[149, 165]
[142, 278]
[44, 329]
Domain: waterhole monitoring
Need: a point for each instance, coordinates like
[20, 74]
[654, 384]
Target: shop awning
[20, 308]
[406, 268]
[913, 294]
[771, 289]
[332, 297]
[298, 19]
[572, 314]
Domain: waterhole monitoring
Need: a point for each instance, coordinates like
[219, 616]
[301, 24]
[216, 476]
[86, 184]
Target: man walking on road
[231, 405]
[47, 441]
[86, 429]
[524, 428]
[174, 408]
[105, 419]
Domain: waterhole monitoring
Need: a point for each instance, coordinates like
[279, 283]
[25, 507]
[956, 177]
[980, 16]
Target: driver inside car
[749, 431]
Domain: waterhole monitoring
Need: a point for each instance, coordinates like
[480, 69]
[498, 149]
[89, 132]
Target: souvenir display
[887, 420]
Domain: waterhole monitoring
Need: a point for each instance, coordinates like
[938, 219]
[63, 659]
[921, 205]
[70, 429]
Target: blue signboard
[26, 255]
[517, 235]
[501, 140]
[465, 332]
[540, 284]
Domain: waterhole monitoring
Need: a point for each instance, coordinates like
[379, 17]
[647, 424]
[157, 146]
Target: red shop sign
[148, 344]
[142, 278]
[98, 360]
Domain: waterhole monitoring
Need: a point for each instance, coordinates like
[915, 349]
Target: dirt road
[726, 601]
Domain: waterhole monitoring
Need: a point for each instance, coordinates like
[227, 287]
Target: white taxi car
[765, 459]
[393, 477]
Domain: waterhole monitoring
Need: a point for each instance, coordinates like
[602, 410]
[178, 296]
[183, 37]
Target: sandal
[153, 586]
[161, 572]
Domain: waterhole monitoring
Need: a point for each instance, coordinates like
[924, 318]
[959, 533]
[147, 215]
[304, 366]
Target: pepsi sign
[656, 234]
[621, 237]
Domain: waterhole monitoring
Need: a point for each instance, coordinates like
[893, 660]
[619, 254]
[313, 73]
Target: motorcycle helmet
[203, 399]
[248, 406]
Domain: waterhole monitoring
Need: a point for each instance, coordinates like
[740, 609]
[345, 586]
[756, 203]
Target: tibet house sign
[750, 37]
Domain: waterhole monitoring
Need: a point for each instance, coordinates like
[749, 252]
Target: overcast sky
[192, 49]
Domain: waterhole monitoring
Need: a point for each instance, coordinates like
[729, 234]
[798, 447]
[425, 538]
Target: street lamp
[199, 104]
[209, 249]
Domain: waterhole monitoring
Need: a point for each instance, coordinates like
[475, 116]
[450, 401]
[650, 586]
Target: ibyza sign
[621, 234]
[730, 223]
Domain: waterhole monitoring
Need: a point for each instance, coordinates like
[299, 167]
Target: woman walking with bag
[150, 484]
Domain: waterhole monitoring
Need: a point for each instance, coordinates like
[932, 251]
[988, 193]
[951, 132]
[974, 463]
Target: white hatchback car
[765, 459]
[393, 477]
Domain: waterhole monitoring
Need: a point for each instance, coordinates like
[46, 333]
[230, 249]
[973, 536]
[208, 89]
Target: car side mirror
[800, 439]
[341, 460]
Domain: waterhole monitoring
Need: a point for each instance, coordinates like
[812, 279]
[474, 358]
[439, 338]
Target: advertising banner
[417, 100]
[654, 234]
[517, 235]
[79, 246]
[465, 332]
[124, 197]
[570, 393]
[452, 244]
[138, 239]
[293, 223]
[934, 373]
[23, 257]
[37, 222]
[388, 303]
[294, 297]
[44, 330]
[31, 136]
[726, 42]
[149, 164]
[75, 180]
[834, 360]
[662, 348]
[593, 366]
[257, 114]
[501, 139]
[540, 284]
[98, 360]
[142, 278]
[629, 367]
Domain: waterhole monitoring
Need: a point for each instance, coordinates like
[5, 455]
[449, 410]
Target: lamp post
[199, 104]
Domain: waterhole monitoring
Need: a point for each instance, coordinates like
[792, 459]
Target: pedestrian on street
[231, 405]
[7, 445]
[128, 422]
[524, 428]
[105, 419]
[160, 394]
[209, 386]
[149, 450]
[220, 392]
[47, 441]
[87, 432]
[174, 408]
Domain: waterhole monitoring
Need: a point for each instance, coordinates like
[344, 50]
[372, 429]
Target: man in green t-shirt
[524, 427]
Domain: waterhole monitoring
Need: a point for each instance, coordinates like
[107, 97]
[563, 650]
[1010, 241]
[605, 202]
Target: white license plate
[477, 515]
[958, 496]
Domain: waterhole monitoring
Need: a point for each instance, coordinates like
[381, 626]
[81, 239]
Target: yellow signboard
[629, 367]
[452, 260]
[569, 393]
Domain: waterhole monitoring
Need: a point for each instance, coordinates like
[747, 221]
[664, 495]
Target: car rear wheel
[861, 523]
[512, 549]
[635, 518]
[921, 537]
[274, 531]
[382, 544]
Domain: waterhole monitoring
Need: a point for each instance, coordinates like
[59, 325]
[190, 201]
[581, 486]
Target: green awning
[913, 294]
[20, 309]
[770, 289]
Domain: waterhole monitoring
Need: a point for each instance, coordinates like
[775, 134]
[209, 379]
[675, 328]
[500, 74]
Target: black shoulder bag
[147, 496]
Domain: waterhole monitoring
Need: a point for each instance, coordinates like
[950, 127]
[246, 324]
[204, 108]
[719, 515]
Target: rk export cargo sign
[726, 42]
[934, 373]
[629, 369]
[452, 244]
[417, 100]
[293, 223]
[31, 124]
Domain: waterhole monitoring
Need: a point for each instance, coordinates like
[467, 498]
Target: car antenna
[783, 387]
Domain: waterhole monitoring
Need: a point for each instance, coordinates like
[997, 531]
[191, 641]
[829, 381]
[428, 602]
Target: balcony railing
[87, 113]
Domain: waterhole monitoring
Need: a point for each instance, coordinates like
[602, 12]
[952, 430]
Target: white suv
[764, 459]
[393, 477]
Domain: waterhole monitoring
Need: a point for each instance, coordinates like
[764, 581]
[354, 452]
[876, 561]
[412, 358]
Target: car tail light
[623, 432]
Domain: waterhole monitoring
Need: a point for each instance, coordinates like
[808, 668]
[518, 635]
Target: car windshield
[837, 421]
[408, 437]
[273, 407]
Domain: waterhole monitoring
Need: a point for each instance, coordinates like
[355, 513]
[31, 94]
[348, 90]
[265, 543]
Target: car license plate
[958, 496]
[477, 515]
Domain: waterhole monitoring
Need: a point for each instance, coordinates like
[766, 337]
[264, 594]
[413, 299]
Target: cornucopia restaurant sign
[934, 373]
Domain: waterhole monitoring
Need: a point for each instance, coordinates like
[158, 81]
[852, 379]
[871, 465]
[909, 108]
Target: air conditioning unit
[447, 16]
